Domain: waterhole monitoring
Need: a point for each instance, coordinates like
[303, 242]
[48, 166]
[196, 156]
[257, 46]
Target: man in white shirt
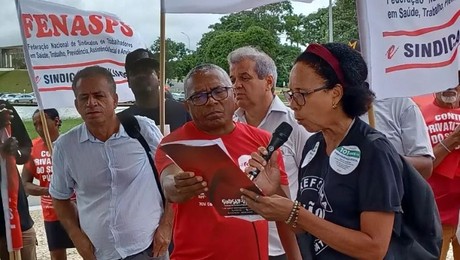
[402, 123]
[119, 205]
[253, 74]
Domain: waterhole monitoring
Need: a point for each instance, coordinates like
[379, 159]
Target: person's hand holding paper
[219, 176]
[187, 185]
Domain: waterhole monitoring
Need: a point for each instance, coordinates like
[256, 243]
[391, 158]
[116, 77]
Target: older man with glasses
[199, 231]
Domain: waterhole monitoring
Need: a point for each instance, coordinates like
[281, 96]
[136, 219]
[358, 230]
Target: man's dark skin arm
[423, 164]
[19, 144]
[29, 186]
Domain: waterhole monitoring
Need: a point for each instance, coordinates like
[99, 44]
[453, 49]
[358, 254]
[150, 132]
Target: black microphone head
[283, 131]
[279, 137]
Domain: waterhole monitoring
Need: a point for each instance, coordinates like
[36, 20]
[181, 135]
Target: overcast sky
[142, 15]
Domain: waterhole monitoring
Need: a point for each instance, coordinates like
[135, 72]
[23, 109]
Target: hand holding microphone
[279, 137]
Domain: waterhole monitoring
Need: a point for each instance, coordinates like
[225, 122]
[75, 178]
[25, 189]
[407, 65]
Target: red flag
[10, 189]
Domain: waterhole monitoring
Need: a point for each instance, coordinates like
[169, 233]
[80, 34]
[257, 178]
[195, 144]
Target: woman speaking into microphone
[350, 187]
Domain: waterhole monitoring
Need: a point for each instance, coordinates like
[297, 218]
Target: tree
[262, 27]
[218, 48]
[270, 17]
[259, 28]
[284, 60]
[175, 52]
[345, 23]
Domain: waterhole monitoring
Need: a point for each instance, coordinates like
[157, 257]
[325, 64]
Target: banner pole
[46, 131]
[162, 67]
[331, 30]
[371, 116]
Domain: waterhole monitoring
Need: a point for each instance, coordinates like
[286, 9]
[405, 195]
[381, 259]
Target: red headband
[327, 56]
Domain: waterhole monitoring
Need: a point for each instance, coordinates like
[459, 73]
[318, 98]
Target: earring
[334, 105]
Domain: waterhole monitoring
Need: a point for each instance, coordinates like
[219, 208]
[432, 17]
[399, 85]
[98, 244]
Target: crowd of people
[334, 190]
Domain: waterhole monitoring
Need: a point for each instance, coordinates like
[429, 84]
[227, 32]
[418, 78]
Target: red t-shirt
[445, 180]
[41, 167]
[199, 231]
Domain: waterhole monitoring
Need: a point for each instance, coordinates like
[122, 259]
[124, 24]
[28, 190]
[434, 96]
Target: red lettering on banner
[42, 26]
[27, 20]
[110, 24]
[59, 24]
[79, 26]
[126, 29]
[96, 26]
[391, 52]
[49, 25]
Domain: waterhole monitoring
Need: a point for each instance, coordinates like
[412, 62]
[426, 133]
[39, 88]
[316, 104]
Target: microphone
[279, 137]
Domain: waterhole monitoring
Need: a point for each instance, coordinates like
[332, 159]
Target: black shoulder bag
[419, 235]
[133, 129]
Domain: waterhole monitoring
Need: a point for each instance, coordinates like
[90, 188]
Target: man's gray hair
[264, 64]
[204, 68]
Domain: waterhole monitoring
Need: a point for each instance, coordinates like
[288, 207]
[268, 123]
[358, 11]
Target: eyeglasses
[299, 97]
[201, 98]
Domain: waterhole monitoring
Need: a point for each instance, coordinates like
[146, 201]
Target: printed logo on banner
[411, 41]
[345, 159]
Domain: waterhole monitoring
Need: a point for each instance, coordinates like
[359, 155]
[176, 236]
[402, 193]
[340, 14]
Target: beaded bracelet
[294, 215]
[445, 146]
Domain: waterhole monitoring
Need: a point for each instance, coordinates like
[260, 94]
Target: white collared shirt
[292, 153]
[402, 122]
[119, 205]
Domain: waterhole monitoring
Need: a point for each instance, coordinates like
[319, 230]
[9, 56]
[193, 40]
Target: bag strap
[133, 129]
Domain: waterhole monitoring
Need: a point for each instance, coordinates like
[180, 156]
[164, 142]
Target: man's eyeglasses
[201, 98]
[299, 97]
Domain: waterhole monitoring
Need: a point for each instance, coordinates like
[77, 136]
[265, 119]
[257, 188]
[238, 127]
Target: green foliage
[269, 17]
[345, 23]
[218, 48]
[284, 60]
[263, 27]
[175, 53]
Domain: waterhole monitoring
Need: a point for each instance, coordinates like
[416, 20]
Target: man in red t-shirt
[199, 231]
[443, 121]
[39, 167]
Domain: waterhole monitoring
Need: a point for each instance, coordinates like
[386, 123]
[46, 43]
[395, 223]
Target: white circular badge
[345, 159]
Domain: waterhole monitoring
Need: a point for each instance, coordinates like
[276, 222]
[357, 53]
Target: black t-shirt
[19, 131]
[175, 113]
[356, 177]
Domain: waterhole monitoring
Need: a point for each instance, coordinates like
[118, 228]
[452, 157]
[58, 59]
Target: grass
[67, 124]
[15, 81]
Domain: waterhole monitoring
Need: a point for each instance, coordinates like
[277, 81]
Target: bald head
[204, 69]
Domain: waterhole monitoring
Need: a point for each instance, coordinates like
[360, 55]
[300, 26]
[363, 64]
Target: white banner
[60, 40]
[215, 6]
[411, 46]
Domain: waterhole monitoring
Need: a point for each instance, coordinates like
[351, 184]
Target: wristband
[445, 146]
